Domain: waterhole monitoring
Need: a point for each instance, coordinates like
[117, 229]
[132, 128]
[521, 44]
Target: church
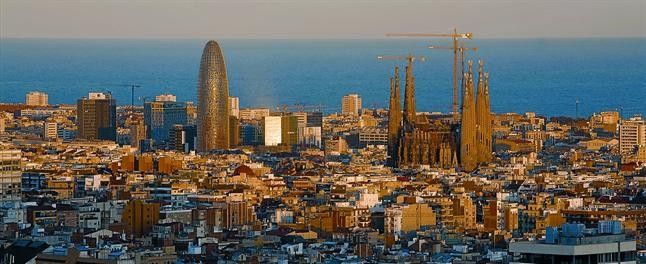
[417, 140]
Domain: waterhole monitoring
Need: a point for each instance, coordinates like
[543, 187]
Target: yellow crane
[456, 37]
[462, 60]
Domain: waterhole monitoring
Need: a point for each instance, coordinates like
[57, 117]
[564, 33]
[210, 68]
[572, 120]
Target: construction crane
[456, 37]
[420, 58]
[462, 60]
[132, 87]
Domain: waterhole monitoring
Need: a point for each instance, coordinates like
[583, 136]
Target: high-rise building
[484, 130]
[213, 100]
[97, 117]
[310, 137]
[253, 113]
[272, 130]
[161, 116]
[234, 131]
[234, 105]
[50, 130]
[468, 147]
[166, 98]
[289, 130]
[351, 104]
[137, 133]
[314, 119]
[36, 98]
[632, 133]
[10, 177]
[251, 134]
[182, 138]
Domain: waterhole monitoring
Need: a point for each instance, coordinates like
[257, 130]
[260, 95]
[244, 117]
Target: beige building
[36, 98]
[10, 176]
[351, 104]
[50, 130]
[632, 133]
[234, 106]
[253, 113]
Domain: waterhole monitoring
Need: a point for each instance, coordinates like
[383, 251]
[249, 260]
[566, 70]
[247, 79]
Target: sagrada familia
[416, 140]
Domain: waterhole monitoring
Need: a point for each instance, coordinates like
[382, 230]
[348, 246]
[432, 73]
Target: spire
[483, 118]
[409, 94]
[394, 118]
[468, 149]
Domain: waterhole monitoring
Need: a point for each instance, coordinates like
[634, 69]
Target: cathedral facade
[417, 140]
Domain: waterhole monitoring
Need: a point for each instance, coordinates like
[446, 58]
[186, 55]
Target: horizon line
[317, 38]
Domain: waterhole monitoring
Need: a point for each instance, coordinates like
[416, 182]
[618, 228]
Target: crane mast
[456, 37]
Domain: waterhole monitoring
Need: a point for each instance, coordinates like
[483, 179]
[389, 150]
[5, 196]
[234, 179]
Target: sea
[552, 77]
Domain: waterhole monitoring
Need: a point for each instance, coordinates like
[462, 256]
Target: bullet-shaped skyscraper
[213, 100]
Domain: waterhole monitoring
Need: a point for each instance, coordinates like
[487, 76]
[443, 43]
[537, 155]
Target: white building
[166, 98]
[272, 130]
[234, 106]
[632, 133]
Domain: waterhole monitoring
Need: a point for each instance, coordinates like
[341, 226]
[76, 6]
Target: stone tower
[409, 95]
[394, 118]
[483, 117]
[468, 147]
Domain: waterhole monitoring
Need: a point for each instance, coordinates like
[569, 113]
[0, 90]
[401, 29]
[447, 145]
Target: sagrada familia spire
[468, 148]
[394, 117]
[475, 129]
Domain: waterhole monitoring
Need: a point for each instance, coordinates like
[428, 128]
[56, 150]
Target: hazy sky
[318, 18]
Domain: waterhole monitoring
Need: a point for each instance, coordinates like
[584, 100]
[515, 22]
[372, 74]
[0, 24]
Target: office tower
[234, 105]
[161, 116]
[137, 133]
[394, 117]
[632, 133]
[36, 98]
[251, 134]
[50, 130]
[272, 130]
[310, 137]
[213, 100]
[351, 104]
[289, 130]
[468, 147]
[484, 128]
[97, 117]
[253, 113]
[234, 131]
[166, 98]
[314, 119]
[182, 138]
[10, 177]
